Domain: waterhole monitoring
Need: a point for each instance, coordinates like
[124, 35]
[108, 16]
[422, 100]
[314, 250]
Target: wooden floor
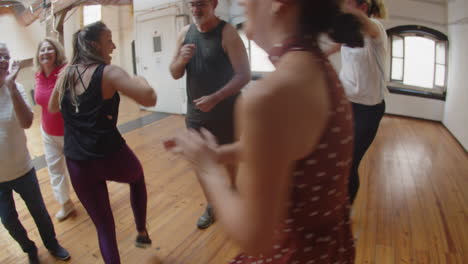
[412, 206]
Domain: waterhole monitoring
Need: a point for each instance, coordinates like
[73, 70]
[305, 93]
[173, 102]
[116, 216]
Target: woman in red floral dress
[288, 202]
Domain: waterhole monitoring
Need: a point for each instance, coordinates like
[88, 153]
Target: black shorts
[223, 130]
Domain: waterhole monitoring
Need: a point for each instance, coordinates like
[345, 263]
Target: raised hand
[186, 52]
[197, 147]
[12, 74]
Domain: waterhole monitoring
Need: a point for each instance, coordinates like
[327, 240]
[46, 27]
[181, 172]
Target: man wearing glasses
[217, 66]
[16, 169]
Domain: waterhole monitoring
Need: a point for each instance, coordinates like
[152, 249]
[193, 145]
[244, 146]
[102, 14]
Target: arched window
[418, 59]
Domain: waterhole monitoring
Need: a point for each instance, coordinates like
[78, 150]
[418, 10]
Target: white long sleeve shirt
[363, 70]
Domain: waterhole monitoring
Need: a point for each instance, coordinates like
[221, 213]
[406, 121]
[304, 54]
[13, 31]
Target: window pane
[259, 59]
[397, 69]
[440, 53]
[397, 46]
[440, 75]
[91, 14]
[419, 61]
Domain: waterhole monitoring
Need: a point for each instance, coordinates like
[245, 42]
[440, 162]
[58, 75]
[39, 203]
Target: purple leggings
[89, 178]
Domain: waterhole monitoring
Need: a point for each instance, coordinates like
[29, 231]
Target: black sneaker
[60, 253]
[33, 258]
[206, 219]
[143, 241]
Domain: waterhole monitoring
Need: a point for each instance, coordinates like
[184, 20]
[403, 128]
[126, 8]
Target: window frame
[419, 31]
[255, 74]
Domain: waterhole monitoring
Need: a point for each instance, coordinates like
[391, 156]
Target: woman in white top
[363, 77]
[17, 172]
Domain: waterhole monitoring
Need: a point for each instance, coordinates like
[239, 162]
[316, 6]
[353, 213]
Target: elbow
[53, 110]
[53, 105]
[175, 74]
[27, 125]
[246, 78]
[150, 99]
[153, 99]
[28, 122]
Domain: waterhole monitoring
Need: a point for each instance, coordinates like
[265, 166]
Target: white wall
[127, 35]
[222, 10]
[431, 109]
[456, 108]
[237, 13]
[142, 5]
[119, 19]
[71, 25]
[429, 13]
[22, 43]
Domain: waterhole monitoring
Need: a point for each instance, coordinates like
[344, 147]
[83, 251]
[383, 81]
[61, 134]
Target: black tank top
[207, 72]
[91, 128]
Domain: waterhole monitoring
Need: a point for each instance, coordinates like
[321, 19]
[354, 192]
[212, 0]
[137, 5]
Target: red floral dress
[317, 228]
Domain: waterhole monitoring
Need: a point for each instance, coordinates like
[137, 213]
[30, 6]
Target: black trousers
[366, 123]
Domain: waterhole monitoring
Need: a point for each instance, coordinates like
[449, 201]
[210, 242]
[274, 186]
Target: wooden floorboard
[412, 206]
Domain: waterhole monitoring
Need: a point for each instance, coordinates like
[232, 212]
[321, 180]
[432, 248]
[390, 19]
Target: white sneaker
[67, 209]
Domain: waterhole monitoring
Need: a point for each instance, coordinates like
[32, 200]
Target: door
[156, 40]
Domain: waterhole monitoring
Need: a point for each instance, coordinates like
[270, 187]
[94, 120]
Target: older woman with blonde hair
[50, 60]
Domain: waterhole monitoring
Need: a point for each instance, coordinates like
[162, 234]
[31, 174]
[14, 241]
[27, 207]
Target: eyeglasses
[5, 57]
[200, 4]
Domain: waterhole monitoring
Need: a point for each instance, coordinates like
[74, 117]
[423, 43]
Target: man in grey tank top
[217, 66]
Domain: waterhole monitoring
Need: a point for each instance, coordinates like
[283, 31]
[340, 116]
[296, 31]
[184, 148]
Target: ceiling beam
[26, 15]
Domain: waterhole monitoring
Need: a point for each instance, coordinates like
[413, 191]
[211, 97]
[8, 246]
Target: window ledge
[405, 91]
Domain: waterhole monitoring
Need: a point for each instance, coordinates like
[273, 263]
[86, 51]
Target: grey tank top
[207, 72]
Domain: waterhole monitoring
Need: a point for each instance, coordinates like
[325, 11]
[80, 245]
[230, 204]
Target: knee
[9, 217]
[139, 180]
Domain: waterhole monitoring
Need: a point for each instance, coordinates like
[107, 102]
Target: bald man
[214, 57]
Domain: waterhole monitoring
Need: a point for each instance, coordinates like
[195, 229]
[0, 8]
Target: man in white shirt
[16, 169]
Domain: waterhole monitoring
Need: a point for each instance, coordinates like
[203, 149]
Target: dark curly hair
[326, 16]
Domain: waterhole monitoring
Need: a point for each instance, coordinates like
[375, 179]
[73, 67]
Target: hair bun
[346, 29]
